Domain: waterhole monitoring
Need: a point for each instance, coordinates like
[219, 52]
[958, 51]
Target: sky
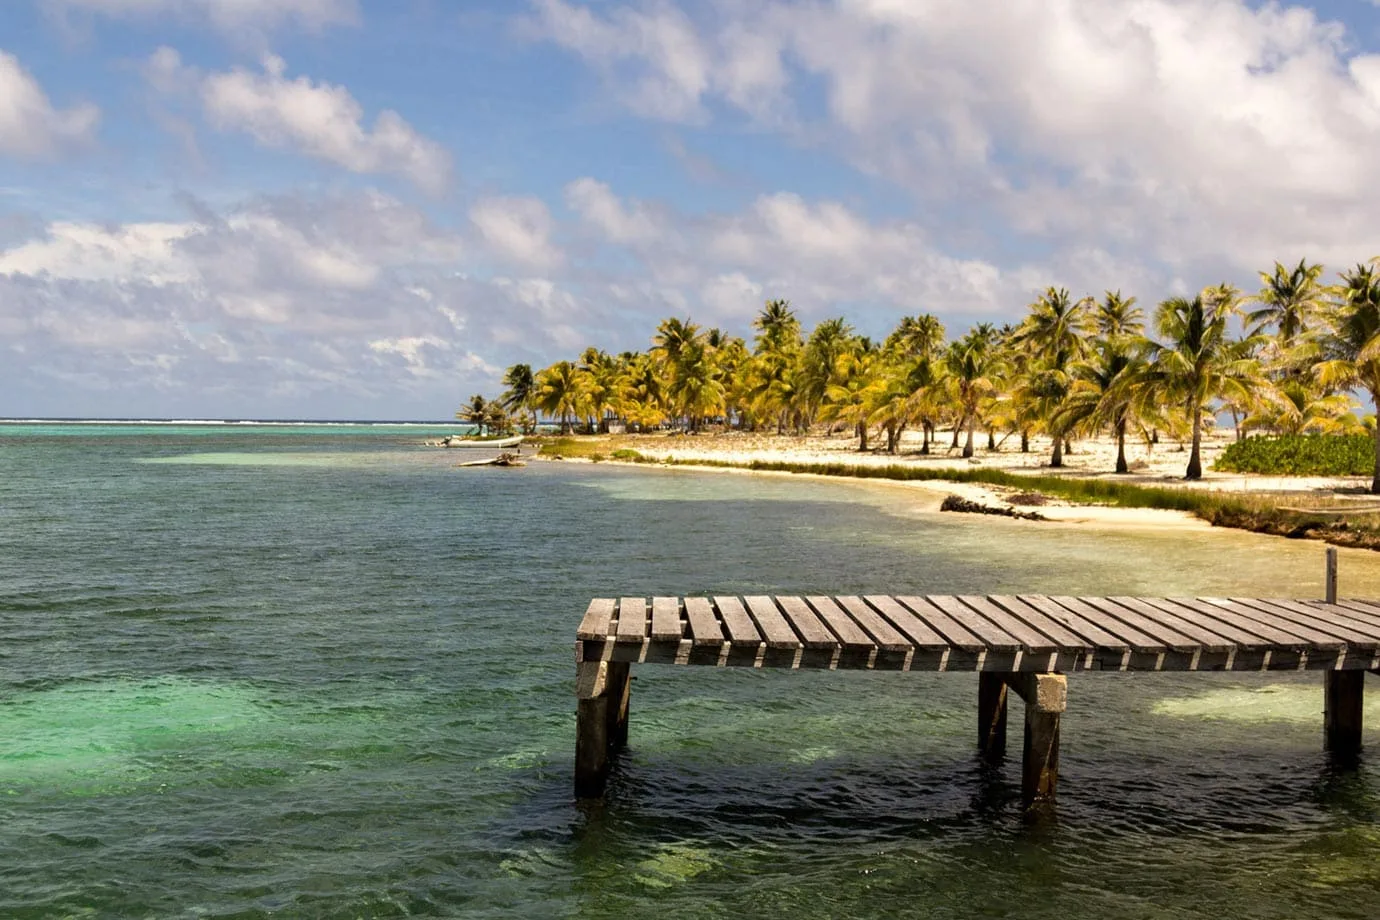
[346, 209]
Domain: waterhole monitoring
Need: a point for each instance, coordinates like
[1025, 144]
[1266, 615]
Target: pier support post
[992, 715]
[602, 692]
[1046, 697]
[619, 693]
[1343, 697]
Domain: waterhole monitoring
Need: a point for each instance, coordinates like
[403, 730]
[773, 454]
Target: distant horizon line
[96, 420]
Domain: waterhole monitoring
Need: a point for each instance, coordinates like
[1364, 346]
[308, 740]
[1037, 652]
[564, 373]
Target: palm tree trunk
[958, 429]
[1375, 476]
[1121, 466]
[1195, 463]
[1025, 441]
[968, 447]
[862, 436]
[991, 440]
[1056, 458]
[925, 445]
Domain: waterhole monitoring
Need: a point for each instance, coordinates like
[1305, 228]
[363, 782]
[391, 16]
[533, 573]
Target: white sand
[1161, 465]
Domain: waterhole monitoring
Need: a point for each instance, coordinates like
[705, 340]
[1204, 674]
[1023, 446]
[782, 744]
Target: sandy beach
[1159, 465]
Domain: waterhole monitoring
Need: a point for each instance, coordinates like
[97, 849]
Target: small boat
[504, 459]
[497, 444]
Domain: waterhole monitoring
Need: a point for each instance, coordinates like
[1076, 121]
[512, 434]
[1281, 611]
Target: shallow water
[325, 674]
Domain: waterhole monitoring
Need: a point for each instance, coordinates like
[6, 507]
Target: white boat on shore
[495, 444]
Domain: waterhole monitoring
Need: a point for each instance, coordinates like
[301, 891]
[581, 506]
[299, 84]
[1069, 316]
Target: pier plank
[990, 634]
[1270, 632]
[1029, 638]
[595, 624]
[1305, 629]
[1164, 637]
[1331, 613]
[957, 635]
[885, 635]
[813, 633]
[851, 636]
[1064, 638]
[1337, 619]
[775, 630]
[741, 630]
[666, 619]
[1206, 639]
[920, 635]
[1368, 612]
[632, 619]
[699, 618]
[1226, 626]
[1088, 632]
[1127, 636]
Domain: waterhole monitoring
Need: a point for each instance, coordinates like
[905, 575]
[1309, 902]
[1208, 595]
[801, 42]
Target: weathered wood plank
[775, 630]
[813, 632]
[957, 635]
[595, 624]
[1128, 635]
[699, 617]
[741, 630]
[632, 619]
[666, 618]
[1032, 640]
[1333, 615]
[914, 628]
[1196, 635]
[1271, 631]
[1362, 610]
[883, 633]
[1351, 632]
[1221, 623]
[991, 635]
[1305, 628]
[851, 636]
[1064, 638]
[1088, 631]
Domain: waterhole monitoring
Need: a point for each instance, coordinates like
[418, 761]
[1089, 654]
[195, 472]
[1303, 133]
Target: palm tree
[520, 386]
[1103, 391]
[778, 330]
[827, 343]
[854, 392]
[1351, 346]
[1118, 315]
[475, 412]
[562, 392]
[1055, 334]
[1197, 362]
[1289, 301]
[695, 389]
[972, 363]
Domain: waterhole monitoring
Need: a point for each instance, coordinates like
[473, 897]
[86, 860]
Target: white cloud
[238, 18]
[1190, 132]
[517, 230]
[660, 63]
[316, 119]
[29, 125]
[600, 208]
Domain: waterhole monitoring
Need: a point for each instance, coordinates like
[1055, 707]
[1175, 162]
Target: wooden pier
[1026, 644]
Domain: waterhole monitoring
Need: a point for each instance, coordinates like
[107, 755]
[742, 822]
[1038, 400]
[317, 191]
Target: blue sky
[358, 209]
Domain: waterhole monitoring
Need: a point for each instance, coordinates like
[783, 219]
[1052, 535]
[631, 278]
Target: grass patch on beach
[1300, 455]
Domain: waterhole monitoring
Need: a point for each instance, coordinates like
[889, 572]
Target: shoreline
[1084, 491]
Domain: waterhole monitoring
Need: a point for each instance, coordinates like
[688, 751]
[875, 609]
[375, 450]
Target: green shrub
[628, 454]
[1300, 455]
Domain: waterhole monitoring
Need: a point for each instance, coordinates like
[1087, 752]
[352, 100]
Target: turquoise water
[323, 673]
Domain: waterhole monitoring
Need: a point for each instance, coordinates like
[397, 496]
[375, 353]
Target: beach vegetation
[1300, 455]
[1289, 359]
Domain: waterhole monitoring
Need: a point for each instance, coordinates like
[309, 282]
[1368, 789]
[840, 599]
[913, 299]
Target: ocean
[318, 671]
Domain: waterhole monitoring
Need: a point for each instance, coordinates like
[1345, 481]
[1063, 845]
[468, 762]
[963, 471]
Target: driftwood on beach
[959, 503]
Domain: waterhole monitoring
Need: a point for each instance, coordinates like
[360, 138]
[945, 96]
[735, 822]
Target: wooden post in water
[992, 715]
[601, 722]
[1046, 697]
[1343, 691]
